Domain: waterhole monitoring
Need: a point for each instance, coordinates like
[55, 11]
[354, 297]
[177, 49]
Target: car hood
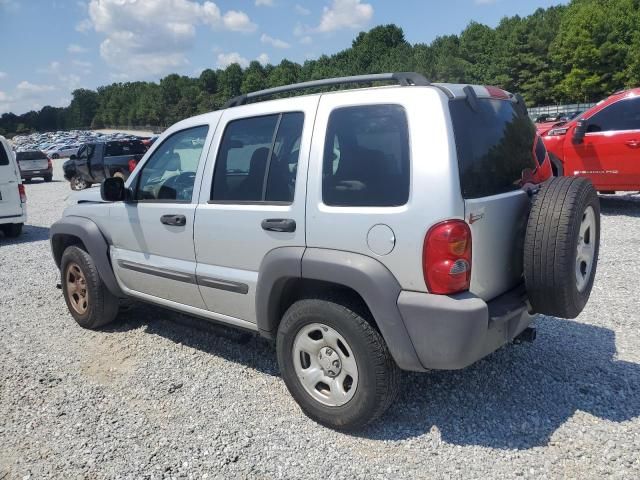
[89, 195]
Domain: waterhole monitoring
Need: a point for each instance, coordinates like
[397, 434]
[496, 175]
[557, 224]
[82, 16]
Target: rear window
[31, 156]
[4, 159]
[117, 149]
[494, 145]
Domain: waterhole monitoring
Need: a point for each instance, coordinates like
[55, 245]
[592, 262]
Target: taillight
[49, 164]
[446, 257]
[23, 194]
[132, 164]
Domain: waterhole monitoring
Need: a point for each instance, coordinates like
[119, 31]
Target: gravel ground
[163, 396]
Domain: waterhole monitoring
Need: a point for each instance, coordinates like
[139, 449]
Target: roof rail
[402, 78]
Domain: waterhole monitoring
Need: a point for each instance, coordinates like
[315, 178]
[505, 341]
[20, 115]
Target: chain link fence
[535, 112]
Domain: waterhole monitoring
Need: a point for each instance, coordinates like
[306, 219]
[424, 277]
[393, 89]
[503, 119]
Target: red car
[602, 144]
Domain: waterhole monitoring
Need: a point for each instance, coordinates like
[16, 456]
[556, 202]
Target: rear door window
[494, 143]
[366, 157]
[4, 158]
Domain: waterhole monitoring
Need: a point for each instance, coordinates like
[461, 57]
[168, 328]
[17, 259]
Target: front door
[252, 200]
[152, 235]
[610, 152]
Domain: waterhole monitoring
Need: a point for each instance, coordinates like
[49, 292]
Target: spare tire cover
[561, 246]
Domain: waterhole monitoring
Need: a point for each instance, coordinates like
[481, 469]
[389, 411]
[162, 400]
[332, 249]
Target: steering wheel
[181, 185]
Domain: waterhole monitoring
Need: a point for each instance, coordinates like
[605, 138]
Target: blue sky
[50, 47]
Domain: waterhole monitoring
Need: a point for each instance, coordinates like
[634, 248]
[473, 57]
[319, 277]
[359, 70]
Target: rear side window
[4, 159]
[366, 157]
[258, 159]
[541, 151]
[35, 155]
[494, 143]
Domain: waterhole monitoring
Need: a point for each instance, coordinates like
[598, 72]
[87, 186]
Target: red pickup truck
[602, 144]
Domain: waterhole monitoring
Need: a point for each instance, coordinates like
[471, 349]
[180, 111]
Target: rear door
[30, 161]
[82, 160]
[10, 205]
[252, 200]
[610, 152]
[495, 146]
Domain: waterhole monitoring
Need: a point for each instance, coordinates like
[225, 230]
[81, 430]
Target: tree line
[576, 53]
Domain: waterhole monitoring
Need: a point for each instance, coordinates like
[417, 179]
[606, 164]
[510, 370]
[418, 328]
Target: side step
[527, 335]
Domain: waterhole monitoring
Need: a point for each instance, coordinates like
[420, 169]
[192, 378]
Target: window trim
[135, 184]
[265, 180]
[409, 155]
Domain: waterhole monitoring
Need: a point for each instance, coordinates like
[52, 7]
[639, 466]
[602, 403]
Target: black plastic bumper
[452, 332]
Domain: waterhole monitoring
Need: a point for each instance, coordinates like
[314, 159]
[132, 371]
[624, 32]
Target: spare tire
[561, 246]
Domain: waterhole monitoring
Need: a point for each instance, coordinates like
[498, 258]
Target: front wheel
[55, 156]
[78, 183]
[48, 178]
[88, 299]
[335, 364]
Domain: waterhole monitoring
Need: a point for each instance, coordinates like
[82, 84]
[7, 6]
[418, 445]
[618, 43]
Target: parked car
[61, 151]
[13, 199]
[34, 164]
[97, 161]
[370, 230]
[602, 144]
[544, 127]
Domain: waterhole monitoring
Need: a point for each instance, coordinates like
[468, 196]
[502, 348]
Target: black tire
[379, 376]
[77, 183]
[102, 306]
[550, 250]
[27, 180]
[12, 230]
[55, 156]
[48, 178]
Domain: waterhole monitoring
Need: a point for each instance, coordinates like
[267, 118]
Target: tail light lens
[446, 257]
[23, 194]
[49, 164]
[132, 164]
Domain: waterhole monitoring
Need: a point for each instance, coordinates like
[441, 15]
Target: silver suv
[403, 227]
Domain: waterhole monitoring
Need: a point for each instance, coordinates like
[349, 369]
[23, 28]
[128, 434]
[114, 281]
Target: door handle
[633, 143]
[279, 225]
[174, 220]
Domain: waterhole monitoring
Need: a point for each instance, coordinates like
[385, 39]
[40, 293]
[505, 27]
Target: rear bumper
[20, 218]
[452, 332]
[45, 172]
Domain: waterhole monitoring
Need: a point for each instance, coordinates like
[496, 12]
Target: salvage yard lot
[161, 395]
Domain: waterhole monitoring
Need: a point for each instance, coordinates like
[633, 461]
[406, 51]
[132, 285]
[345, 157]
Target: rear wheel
[78, 183]
[561, 247]
[12, 230]
[119, 175]
[88, 299]
[48, 178]
[335, 364]
[55, 156]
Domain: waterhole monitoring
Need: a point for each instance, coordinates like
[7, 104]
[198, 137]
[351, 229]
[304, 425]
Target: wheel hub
[329, 362]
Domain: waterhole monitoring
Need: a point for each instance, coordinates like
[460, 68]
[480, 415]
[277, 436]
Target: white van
[13, 208]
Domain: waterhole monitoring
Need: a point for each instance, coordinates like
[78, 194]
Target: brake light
[496, 92]
[49, 164]
[132, 164]
[23, 194]
[446, 257]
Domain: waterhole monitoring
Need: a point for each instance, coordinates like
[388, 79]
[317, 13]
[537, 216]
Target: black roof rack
[402, 78]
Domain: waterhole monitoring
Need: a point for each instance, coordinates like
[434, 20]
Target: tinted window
[366, 157]
[4, 159]
[494, 145]
[170, 172]
[541, 151]
[258, 159]
[35, 155]
[622, 115]
[117, 149]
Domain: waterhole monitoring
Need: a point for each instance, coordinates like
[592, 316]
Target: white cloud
[30, 88]
[4, 97]
[264, 3]
[274, 42]
[226, 59]
[238, 22]
[75, 48]
[84, 26]
[300, 10]
[349, 14]
[152, 37]
[3, 75]
[306, 40]
[263, 58]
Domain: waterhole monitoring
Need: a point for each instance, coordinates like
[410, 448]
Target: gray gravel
[159, 395]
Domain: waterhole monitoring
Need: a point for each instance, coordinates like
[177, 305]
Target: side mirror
[112, 190]
[73, 157]
[580, 131]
